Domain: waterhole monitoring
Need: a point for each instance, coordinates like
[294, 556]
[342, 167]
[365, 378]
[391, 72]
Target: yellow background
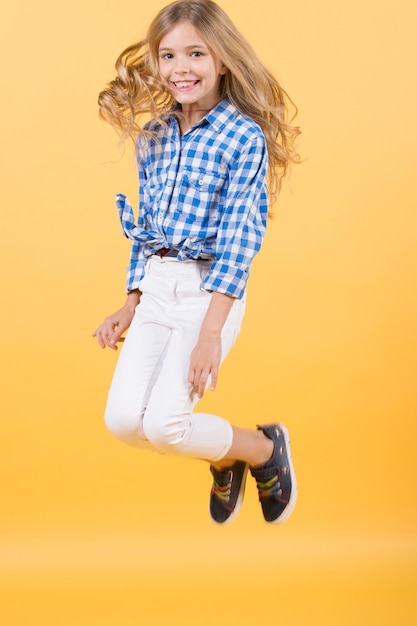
[94, 533]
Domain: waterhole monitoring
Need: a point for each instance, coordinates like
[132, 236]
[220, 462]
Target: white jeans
[150, 401]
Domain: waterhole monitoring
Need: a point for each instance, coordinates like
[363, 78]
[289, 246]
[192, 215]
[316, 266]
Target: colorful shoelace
[270, 487]
[222, 492]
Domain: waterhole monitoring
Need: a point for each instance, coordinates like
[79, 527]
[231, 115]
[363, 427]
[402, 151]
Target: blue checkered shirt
[203, 193]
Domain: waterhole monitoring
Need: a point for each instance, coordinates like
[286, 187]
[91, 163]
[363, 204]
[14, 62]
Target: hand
[206, 356]
[109, 333]
[205, 362]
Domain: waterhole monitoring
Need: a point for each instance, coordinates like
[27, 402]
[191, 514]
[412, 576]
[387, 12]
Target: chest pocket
[199, 195]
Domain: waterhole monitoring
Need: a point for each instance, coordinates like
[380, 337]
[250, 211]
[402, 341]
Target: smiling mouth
[185, 84]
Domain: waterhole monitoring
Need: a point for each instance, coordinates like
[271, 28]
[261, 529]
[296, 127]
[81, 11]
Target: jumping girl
[213, 154]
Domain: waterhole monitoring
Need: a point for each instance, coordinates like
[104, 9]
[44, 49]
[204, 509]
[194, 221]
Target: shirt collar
[222, 113]
[217, 117]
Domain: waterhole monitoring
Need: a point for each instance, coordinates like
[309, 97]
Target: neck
[189, 117]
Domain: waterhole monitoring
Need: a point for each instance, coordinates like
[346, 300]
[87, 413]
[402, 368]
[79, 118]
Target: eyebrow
[197, 45]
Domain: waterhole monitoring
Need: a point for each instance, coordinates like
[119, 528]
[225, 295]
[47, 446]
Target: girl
[217, 144]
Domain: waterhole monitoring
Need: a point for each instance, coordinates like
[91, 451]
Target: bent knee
[124, 426]
[167, 434]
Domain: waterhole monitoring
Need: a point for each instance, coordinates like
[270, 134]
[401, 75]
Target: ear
[223, 70]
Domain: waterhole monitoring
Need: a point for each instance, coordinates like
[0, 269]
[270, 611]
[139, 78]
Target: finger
[110, 333]
[111, 341]
[213, 381]
[97, 335]
[105, 335]
[114, 339]
[202, 383]
[194, 377]
[191, 376]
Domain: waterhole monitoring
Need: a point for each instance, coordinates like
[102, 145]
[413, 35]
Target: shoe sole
[239, 501]
[294, 490]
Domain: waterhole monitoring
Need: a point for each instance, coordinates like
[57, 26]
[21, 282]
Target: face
[190, 69]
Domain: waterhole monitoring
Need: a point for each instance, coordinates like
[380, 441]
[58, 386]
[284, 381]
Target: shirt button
[201, 182]
[169, 183]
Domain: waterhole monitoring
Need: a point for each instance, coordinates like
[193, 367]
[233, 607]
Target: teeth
[185, 83]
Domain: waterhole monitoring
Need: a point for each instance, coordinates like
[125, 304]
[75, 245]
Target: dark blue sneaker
[227, 492]
[275, 479]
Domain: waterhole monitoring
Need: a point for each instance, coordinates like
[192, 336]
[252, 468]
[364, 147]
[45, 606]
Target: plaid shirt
[203, 193]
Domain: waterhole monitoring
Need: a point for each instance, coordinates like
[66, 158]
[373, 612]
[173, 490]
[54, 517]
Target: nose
[181, 65]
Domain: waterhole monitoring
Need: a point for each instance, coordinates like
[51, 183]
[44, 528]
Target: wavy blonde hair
[139, 89]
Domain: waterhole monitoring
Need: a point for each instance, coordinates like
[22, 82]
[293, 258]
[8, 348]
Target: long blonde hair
[138, 87]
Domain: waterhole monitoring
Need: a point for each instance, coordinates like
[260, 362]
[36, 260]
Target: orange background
[92, 532]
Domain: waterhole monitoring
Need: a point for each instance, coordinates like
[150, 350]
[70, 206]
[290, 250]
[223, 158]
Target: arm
[109, 333]
[239, 238]
[242, 226]
[111, 330]
[206, 356]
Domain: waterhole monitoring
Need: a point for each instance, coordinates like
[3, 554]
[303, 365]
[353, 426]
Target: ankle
[266, 450]
[222, 467]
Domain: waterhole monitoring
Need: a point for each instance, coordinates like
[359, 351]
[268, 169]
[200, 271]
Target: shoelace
[222, 492]
[270, 487]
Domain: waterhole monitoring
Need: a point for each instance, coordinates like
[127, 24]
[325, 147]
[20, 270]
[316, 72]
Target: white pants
[150, 401]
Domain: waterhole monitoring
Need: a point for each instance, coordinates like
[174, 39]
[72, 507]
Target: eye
[197, 53]
[166, 55]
